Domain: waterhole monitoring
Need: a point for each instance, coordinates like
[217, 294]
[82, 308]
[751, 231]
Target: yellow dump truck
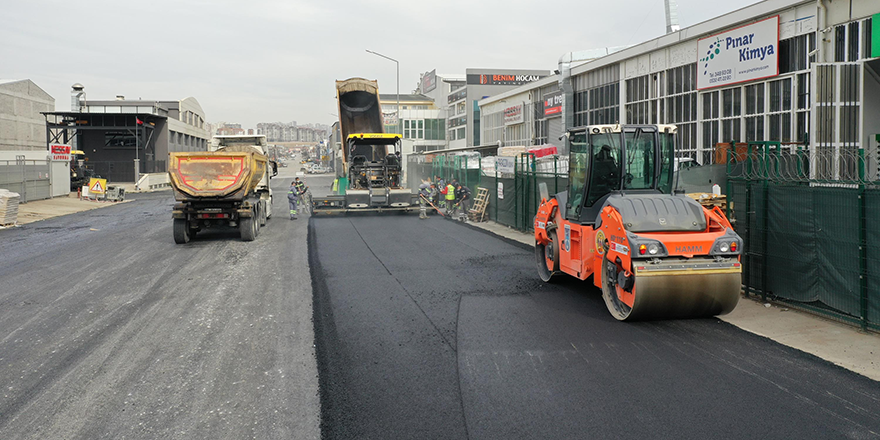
[226, 187]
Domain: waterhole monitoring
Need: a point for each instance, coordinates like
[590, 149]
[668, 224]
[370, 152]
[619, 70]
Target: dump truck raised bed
[654, 253]
[227, 187]
[371, 170]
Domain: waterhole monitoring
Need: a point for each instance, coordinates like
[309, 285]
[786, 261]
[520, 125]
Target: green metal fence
[805, 218]
[516, 203]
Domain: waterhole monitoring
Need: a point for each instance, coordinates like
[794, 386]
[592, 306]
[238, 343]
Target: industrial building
[26, 167]
[118, 134]
[22, 127]
[804, 73]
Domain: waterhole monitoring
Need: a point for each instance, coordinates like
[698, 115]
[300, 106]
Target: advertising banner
[429, 81]
[743, 54]
[60, 152]
[553, 104]
[514, 115]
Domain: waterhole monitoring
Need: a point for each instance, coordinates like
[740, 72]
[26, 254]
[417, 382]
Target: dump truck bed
[217, 175]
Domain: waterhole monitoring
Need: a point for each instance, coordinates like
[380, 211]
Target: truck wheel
[181, 231]
[248, 229]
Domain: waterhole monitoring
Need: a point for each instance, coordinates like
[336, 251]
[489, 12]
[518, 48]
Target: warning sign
[97, 186]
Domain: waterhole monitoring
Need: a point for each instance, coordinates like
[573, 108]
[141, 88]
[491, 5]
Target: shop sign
[514, 115]
[505, 164]
[60, 152]
[875, 36]
[390, 118]
[507, 79]
[553, 104]
[743, 54]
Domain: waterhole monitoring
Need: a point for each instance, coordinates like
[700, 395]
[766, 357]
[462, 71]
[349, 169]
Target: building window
[679, 107]
[413, 129]
[638, 109]
[711, 124]
[731, 109]
[779, 113]
[794, 53]
[754, 112]
[435, 129]
[802, 114]
[597, 96]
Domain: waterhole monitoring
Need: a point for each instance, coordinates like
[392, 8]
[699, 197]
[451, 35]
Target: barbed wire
[840, 165]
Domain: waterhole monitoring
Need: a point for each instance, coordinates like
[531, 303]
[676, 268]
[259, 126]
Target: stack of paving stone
[8, 207]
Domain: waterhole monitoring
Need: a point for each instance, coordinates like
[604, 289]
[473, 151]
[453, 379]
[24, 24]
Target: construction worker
[301, 189]
[450, 198]
[462, 197]
[424, 196]
[292, 197]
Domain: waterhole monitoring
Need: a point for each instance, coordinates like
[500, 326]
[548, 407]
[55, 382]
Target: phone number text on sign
[721, 75]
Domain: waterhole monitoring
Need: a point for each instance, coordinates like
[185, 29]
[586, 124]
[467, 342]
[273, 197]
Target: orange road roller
[654, 253]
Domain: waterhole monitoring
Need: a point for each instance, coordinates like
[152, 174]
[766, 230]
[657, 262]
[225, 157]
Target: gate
[28, 178]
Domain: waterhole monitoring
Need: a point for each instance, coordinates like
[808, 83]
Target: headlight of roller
[646, 247]
[729, 244]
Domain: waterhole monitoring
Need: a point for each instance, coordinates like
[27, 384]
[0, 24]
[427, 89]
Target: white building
[800, 72]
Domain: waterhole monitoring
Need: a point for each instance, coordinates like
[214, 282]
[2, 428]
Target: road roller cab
[653, 253]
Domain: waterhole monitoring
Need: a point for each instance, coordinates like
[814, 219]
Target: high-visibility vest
[450, 192]
[335, 185]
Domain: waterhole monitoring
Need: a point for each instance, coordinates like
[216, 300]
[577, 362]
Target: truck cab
[371, 163]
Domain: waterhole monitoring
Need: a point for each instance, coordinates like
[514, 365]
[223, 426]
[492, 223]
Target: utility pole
[399, 120]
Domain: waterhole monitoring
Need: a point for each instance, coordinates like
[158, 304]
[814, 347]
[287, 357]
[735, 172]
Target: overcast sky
[276, 60]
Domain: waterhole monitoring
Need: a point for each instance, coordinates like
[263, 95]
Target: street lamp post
[399, 120]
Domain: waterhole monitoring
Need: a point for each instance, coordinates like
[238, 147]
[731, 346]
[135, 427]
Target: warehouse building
[805, 73]
[117, 134]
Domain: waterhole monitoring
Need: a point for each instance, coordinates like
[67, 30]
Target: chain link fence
[806, 218]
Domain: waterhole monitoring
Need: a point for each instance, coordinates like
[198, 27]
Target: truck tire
[247, 226]
[181, 231]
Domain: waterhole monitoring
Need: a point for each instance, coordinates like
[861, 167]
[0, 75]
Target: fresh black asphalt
[432, 329]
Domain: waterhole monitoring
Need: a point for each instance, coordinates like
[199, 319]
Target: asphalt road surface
[433, 329]
[110, 330]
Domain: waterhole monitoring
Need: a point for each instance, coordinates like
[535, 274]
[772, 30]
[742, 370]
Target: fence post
[863, 259]
[19, 160]
[748, 244]
[496, 192]
[516, 194]
[764, 235]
